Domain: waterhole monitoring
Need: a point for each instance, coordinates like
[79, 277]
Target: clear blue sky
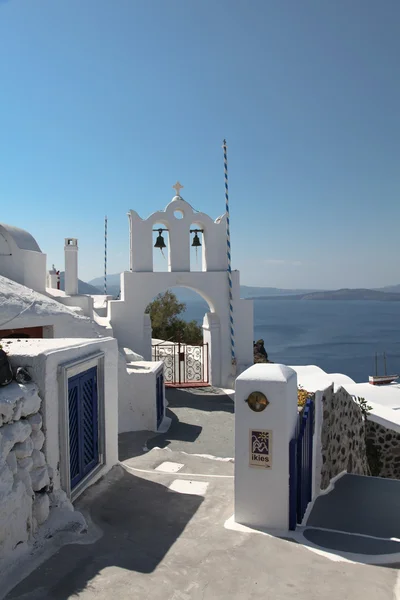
[104, 104]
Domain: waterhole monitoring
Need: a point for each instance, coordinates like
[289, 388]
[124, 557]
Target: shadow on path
[140, 521]
[203, 399]
[178, 432]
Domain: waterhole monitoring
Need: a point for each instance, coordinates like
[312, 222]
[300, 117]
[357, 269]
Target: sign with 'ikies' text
[260, 448]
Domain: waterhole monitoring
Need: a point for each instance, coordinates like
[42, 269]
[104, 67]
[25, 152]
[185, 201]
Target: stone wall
[25, 478]
[342, 437]
[383, 448]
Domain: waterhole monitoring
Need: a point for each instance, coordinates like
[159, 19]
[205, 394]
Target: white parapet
[262, 445]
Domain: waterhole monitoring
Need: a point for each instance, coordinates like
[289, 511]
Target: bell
[160, 241]
[196, 241]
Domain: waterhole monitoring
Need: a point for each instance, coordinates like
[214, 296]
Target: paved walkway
[362, 514]
[162, 534]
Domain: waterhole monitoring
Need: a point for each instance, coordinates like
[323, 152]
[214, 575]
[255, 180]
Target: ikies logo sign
[260, 448]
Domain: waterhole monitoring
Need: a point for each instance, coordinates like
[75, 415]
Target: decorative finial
[178, 188]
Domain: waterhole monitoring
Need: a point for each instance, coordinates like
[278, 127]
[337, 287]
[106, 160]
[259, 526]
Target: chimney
[71, 266]
[52, 278]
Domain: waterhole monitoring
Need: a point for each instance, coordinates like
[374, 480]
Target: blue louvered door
[83, 425]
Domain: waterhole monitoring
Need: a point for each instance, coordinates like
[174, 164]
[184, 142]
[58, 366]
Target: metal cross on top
[178, 188]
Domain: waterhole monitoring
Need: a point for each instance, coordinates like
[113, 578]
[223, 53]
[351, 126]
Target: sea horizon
[338, 336]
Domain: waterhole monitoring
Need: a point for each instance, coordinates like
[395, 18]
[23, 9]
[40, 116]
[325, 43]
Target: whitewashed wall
[214, 237]
[137, 395]
[42, 358]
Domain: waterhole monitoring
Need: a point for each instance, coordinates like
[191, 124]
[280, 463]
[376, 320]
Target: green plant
[363, 405]
[164, 313]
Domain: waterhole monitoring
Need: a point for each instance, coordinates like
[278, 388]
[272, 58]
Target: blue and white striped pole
[105, 256]
[228, 248]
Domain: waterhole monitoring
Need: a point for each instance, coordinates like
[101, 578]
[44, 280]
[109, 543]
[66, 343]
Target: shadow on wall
[140, 521]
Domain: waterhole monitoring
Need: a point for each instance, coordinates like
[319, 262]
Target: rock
[38, 459]
[260, 354]
[31, 399]
[12, 434]
[6, 481]
[35, 421]
[26, 463]
[17, 411]
[41, 508]
[38, 439]
[22, 375]
[9, 397]
[12, 462]
[24, 449]
[24, 476]
[40, 478]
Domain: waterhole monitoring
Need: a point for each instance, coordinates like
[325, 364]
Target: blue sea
[338, 336]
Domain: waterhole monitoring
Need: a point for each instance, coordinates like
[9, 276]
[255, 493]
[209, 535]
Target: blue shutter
[83, 425]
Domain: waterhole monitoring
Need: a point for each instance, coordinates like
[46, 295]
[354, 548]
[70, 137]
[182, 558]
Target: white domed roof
[23, 239]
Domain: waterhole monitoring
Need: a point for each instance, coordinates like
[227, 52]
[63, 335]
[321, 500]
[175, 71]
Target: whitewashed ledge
[18, 400]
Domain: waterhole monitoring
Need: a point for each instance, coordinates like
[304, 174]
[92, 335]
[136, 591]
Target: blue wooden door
[301, 466]
[83, 425]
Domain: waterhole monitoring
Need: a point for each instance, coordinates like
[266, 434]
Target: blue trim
[301, 465]
[160, 399]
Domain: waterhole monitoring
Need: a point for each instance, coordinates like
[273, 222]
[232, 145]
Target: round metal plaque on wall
[257, 401]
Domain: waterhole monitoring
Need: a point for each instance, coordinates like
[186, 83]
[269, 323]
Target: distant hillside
[256, 292]
[395, 289]
[344, 294]
[83, 287]
[186, 295]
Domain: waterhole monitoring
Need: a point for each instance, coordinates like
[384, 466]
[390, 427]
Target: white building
[59, 433]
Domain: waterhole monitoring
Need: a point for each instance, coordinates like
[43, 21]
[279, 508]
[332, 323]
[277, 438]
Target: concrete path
[161, 517]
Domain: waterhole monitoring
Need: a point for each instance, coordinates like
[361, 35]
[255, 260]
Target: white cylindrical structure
[52, 278]
[71, 266]
[262, 446]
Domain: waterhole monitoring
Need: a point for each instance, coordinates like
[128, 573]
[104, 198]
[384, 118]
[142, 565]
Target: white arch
[201, 293]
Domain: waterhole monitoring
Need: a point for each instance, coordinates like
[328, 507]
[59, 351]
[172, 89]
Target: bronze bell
[196, 241]
[160, 240]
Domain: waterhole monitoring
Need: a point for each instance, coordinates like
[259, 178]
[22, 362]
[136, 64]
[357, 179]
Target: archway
[177, 327]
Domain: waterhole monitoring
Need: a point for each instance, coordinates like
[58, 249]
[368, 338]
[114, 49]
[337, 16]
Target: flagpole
[228, 249]
[105, 255]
